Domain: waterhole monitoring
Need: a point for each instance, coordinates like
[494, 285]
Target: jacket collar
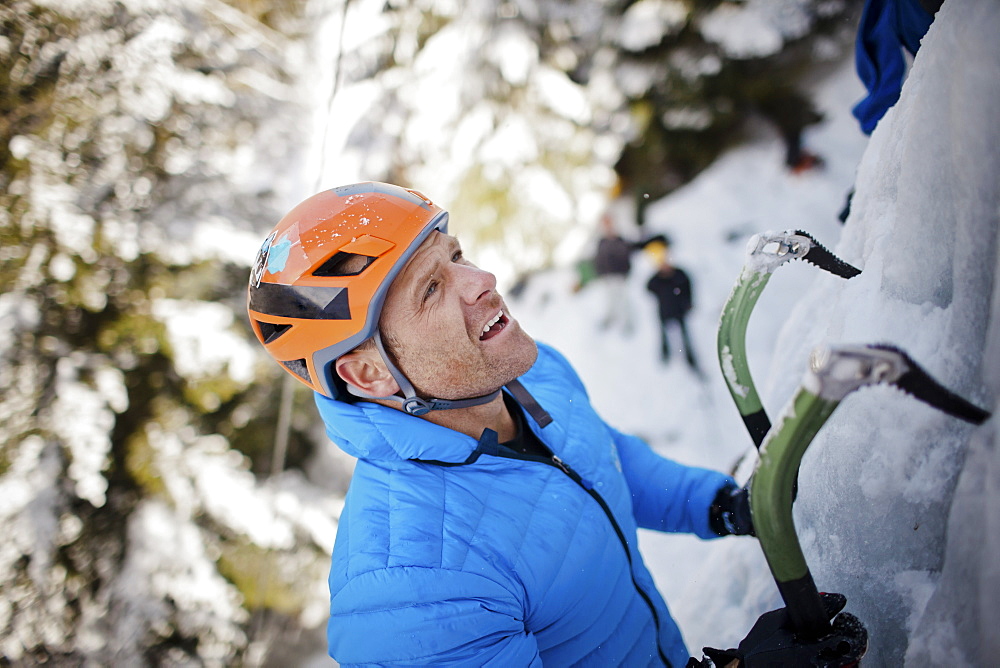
[370, 431]
[374, 432]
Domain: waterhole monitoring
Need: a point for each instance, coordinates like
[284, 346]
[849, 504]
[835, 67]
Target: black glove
[729, 513]
[771, 642]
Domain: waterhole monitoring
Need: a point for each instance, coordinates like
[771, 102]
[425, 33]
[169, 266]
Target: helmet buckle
[416, 406]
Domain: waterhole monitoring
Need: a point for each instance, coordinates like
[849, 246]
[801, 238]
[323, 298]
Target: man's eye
[431, 289]
[457, 257]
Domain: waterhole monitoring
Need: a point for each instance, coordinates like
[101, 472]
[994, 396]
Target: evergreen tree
[135, 531]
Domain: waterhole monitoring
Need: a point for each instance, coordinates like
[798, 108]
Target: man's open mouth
[494, 326]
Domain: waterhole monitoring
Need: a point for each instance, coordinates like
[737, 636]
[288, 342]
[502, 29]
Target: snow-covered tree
[140, 146]
[536, 113]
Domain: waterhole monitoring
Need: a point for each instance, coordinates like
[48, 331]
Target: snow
[769, 250]
[171, 563]
[515, 54]
[645, 23]
[204, 339]
[85, 423]
[897, 507]
[756, 28]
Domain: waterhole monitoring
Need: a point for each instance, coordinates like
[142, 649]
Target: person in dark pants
[611, 266]
[672, 288]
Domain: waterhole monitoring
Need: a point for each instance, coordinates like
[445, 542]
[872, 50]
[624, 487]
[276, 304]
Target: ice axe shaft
[765, 253]
[834, 372]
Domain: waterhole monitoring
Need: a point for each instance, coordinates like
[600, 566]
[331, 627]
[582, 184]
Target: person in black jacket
[672, 288]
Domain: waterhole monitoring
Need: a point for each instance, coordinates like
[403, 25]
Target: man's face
[449, 329]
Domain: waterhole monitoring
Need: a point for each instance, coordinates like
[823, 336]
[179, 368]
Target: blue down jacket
[453, 552]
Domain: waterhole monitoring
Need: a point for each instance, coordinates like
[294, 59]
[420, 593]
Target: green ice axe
[834, 372]
[765, 253]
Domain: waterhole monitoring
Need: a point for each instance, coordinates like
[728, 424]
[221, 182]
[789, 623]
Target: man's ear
[365, 370]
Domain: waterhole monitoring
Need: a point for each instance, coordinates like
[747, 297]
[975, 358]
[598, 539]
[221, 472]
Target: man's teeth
[492, 322]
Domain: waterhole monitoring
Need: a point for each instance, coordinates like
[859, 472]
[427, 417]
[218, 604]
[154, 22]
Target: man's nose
[474, 283]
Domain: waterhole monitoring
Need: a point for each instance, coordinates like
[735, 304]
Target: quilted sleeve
[667, 496]
[428, 617]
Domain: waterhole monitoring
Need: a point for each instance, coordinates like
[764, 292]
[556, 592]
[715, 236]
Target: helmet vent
[344, 264]
[298, 367]
[270, 331]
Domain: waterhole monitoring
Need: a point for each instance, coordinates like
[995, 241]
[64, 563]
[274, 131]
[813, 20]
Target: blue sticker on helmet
[277, 258]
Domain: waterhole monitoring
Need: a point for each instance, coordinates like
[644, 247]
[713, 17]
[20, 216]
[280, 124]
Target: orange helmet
[320, 279]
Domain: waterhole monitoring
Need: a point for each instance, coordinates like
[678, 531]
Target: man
[492, 516]
[672, 288]
[612, 263]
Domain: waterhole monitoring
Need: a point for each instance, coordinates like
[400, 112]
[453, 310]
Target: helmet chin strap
[413, 404]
